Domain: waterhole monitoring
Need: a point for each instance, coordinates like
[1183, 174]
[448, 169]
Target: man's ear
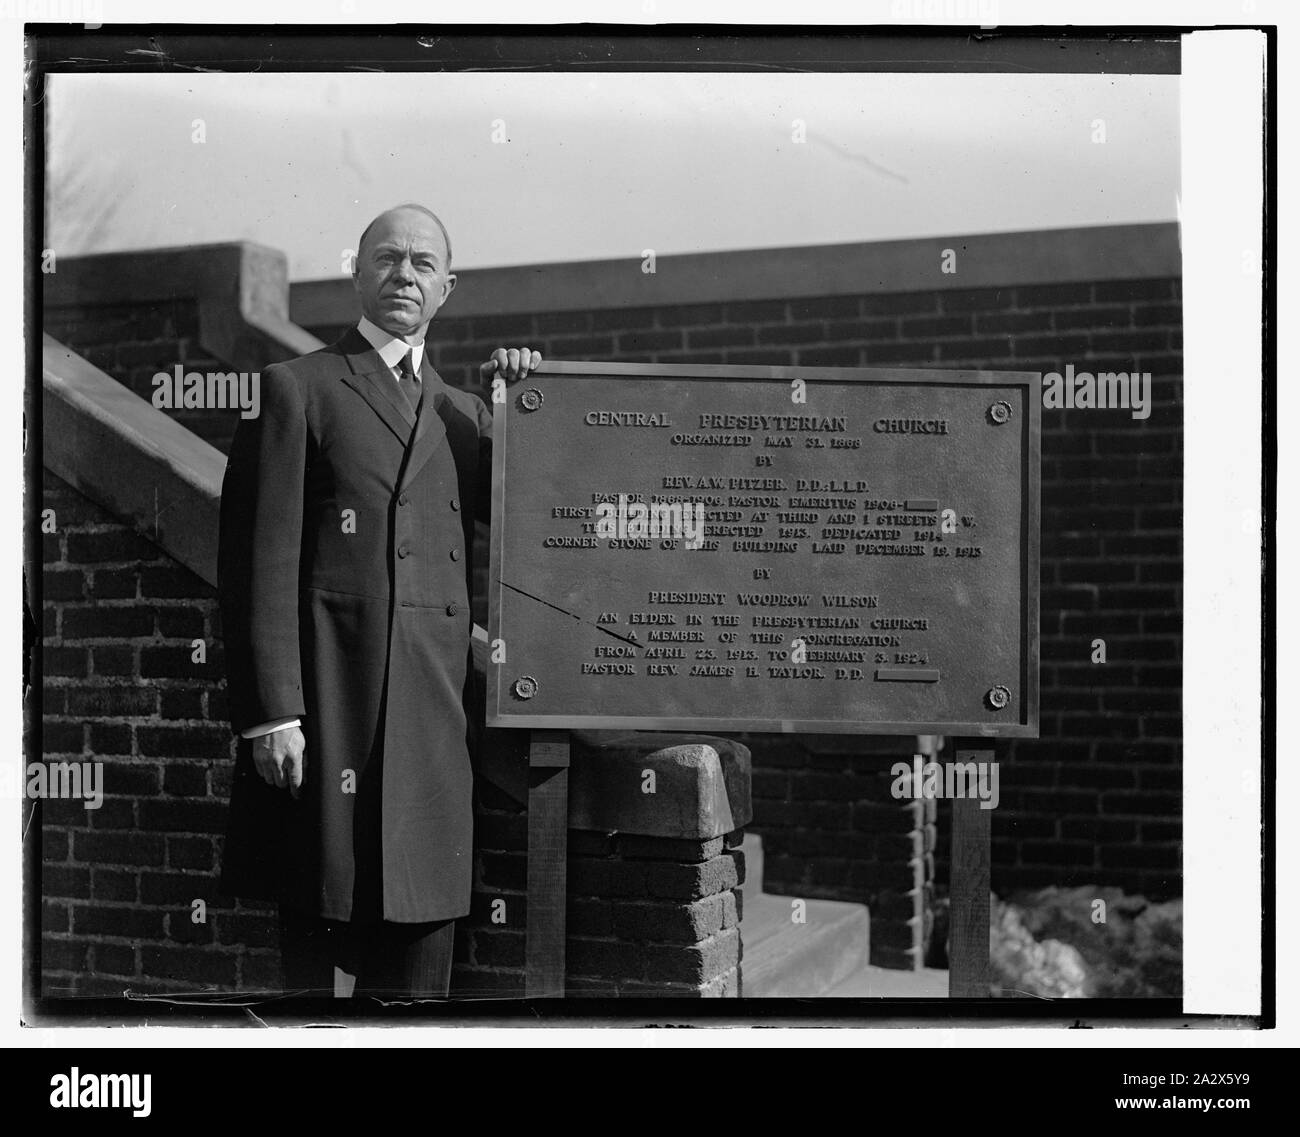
[448, 286]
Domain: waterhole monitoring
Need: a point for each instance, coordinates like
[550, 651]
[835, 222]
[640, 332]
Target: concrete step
[785, 959]
[891, 983]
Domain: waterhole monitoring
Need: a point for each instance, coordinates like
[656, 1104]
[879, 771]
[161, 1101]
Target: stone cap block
[701, 783]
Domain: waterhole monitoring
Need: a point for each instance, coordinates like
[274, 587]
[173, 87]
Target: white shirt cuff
[268, 727]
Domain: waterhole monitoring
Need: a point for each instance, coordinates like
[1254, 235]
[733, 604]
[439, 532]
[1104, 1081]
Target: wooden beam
[548, 832]
[968, 935]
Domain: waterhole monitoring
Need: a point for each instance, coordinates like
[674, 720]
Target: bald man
[347, 526]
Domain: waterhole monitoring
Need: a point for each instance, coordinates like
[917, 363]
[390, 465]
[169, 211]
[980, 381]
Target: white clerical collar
[390, 347]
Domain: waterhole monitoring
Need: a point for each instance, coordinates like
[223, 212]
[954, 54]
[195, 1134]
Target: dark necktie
[409, 382]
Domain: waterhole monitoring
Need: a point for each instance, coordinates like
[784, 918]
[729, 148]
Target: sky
[527, 168]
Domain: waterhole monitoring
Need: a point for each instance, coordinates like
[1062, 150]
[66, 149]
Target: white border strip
[1222, 202]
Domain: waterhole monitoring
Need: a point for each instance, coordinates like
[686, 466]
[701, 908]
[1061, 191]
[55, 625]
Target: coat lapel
[430, 430]
[372, 380]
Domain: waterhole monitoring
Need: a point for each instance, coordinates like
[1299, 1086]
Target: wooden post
[548, 842]
[968, 934]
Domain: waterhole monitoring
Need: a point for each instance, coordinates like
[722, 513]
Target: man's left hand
[511, 364]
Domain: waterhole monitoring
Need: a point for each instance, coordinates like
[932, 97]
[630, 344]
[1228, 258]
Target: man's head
[402, 270]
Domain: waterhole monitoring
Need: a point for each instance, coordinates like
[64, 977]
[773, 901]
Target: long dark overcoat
[344, 583]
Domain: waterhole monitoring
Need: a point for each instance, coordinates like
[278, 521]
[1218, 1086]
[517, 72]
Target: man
[347, 524]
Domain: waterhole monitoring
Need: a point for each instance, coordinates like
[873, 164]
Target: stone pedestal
[654, 867]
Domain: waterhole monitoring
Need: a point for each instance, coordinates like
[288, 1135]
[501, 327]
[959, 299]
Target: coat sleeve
[258, 555]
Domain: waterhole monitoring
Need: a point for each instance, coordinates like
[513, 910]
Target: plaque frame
[1026, 726]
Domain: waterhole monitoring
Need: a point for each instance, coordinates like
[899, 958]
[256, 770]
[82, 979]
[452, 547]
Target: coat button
[455, 504]
[402, 550]
[455, 554]
[404, 499]
[452, 609]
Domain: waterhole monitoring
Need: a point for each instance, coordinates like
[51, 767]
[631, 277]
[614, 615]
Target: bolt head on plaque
[998, 697]
[531, 399]
[525, 687]
[1000, 411]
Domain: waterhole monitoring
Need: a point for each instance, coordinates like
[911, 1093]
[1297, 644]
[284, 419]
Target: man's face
[402, 273]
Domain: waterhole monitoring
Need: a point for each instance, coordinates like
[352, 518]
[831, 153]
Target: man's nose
[402, 270]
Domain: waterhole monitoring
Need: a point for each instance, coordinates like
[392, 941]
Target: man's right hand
[281, 758]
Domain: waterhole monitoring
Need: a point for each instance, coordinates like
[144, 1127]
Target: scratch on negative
[565, 611]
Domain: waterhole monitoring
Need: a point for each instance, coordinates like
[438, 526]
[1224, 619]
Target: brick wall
[118, 883]
[132, 342]
[1097, 798]
[121, 686]
[646, 915]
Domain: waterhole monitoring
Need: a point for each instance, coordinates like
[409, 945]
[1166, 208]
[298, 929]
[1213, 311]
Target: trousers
[389, 960]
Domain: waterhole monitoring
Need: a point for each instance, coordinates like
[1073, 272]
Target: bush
[1022, 965]
[1050, 943]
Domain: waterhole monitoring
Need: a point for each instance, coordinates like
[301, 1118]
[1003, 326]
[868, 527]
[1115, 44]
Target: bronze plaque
[726, 548]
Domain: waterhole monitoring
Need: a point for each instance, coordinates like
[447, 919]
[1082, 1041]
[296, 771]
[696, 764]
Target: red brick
[112, 659]
[190, 853]
[183, 815]
[602, 959]
[186, 779]
[649, 341]
[62, 737]
[55, 845]
[623, 318]
[507, 870]
[498, 948]
[114, 959]
[690, 881]
[171, 581]
[548, 323]
[183, 741]
[180, 704]
[609, 878]
[59, 954]
[730, 336]
[182, 928]
[116, 700]
[667, 848]
[114, 848]
[63, 585]
[124, 922]
[109, 545]
[589, 916]
[70, 661]
[65, 881]
[899, 303]
[113, 813]
[115, 885]
[260, 971]
[111, 738]
[178, 663]
[56, 916]
[186, 965]
[672, 923]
